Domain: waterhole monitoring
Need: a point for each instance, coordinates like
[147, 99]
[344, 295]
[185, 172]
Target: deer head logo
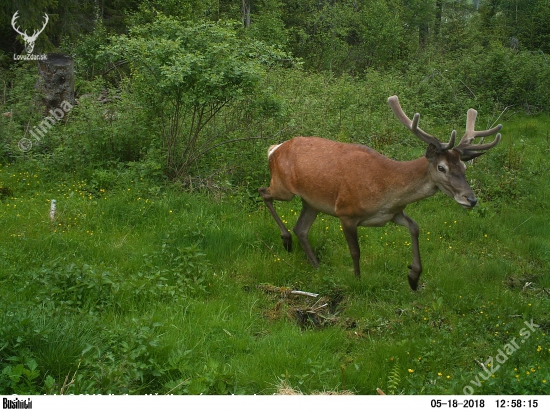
[29, 40]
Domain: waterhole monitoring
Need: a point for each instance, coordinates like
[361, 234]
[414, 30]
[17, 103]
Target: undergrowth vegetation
[143, 288]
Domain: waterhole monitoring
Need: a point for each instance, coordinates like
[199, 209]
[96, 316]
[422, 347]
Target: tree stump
[56, 80]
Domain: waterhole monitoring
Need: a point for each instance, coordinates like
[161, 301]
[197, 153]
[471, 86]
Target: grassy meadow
[139, 288]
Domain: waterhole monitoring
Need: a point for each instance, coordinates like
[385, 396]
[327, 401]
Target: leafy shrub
[173, 273]
[20, 101]
[184, 74]
[123, 360]
[213, 379]
[84, 50]
[22, 377]
[504, 77]
[106, 128]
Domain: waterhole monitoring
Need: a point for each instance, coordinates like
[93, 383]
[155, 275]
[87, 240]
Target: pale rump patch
[272, 149]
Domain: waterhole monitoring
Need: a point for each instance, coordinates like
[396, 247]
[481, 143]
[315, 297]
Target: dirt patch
[529, 284]
[307, 309]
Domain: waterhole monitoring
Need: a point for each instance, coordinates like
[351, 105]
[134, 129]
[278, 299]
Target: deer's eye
[441, 169]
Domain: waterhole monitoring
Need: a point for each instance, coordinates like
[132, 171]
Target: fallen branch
[317, 309]
[302, 293]
[285, 291]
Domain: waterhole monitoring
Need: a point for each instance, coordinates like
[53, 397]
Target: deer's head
[447, 168]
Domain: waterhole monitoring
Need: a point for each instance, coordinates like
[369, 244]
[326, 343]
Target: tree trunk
[245, 13]
[438, 15]
[56, 80]
[423, 32]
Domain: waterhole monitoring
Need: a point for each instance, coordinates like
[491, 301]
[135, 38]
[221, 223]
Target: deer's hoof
[414, 276]
[287, 243]
[413, 283]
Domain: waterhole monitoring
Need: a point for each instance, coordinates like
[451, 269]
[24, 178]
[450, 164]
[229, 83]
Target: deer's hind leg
[306, 219]
[349, 227]
[268, 198]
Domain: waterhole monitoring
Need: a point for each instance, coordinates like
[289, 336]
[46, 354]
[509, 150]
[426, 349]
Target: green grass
[135, 290]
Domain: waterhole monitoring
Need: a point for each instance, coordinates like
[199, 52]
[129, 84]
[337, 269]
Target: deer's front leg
[416, 267]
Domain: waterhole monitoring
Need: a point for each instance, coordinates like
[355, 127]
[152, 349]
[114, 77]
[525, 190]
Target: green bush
[19, 101]
[184, 74]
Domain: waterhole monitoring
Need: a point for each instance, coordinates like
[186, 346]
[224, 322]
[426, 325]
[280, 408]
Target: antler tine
[393, 101]
[37, 32]
[471, 133]
[46, 20]
[485, 146]
[469, 150]
[15, 17]
[471, 120]
[451, 140]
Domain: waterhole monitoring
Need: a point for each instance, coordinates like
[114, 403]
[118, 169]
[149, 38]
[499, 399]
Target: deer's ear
[431, 152]
[469, 156]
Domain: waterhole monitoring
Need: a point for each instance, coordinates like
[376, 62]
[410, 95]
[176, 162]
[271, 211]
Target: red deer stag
[363, 188]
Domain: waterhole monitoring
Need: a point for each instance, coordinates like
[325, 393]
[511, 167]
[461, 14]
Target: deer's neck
[414, 182]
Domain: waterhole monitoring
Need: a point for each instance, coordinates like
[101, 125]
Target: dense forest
[194, 67]
[137, 257]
